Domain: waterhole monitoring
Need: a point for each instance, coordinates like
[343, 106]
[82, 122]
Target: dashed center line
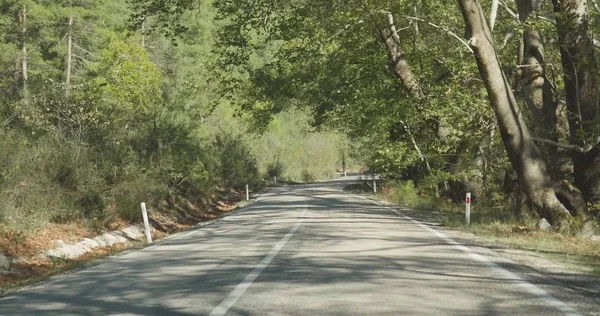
[241, 288]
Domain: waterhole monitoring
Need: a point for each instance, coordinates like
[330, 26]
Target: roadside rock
[101, 241]
[90, 243]
[72, 251]
[544, 225]
[133, 232]
[120, 236]
[66, 251]
[110, 239]
[4, 263]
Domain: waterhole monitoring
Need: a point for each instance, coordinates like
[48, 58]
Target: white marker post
[374, 186]
[275, 181]
[146, 223]
[468, 209]
[247, 193]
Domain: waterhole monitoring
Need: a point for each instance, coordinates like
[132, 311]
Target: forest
[99, 114]
[496, 98]
[108, 103]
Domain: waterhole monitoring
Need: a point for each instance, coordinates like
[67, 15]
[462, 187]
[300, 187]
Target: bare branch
[560, 145]
[441, 28]
[596, 6]
[83, 49]
[509, 10]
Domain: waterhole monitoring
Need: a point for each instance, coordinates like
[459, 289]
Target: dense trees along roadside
[189, 95]
[426, 114]
[98, 114]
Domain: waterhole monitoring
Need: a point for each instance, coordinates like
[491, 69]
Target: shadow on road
[345, 244]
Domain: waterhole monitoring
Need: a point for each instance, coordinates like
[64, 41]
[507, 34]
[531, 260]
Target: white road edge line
[529, 287]
[241, 288]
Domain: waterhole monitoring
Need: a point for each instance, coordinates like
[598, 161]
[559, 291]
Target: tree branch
[509, 10]
[441, 28]
[493, 14]
[560, 145]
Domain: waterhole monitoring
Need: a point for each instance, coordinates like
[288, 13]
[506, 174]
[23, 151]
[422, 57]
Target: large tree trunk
[537, 92]
[581, 86]
[524, 155]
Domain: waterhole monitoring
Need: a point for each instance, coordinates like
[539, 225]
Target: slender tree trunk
[401, 69]
[24, 75]
[397, 61]
[420, 154]
[525, 157]
[143, 34]
[69, 56]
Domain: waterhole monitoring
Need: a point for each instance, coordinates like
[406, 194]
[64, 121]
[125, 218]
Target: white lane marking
[241, 288]
[529, 287]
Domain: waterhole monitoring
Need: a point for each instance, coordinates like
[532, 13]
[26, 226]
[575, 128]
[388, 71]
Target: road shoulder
[565, 283]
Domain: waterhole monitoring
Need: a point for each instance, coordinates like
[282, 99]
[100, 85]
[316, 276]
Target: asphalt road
[299, 250]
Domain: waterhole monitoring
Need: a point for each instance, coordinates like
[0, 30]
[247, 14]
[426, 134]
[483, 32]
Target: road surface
[298, 250]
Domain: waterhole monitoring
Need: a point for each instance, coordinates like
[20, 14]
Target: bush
[307, 176]
[275, 169]
[201, 178]
[404, 193]
[137, 187]
[237, 166]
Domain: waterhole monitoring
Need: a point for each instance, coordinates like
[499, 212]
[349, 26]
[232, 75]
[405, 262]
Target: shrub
[237, 166]
[405, 193]
[275, 169]
[307, 176]
[139, 186]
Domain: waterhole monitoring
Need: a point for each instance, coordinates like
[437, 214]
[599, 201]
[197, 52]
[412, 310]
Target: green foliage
[237, 166]
[275, 169]
[130, 83]
[307, 176]
[138, 124]
[403, 192]
[290, 147]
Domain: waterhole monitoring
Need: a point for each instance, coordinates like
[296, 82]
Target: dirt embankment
[28, 257]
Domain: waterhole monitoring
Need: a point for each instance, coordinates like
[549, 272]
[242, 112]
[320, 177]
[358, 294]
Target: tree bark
[581, 86]
[69, 57]
[24, 74]
[494, 13]
[538, 94]
[399, 66]
[525, 157]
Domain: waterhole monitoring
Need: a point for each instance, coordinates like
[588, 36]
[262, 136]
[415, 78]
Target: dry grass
[33, 272]
[579, 253]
